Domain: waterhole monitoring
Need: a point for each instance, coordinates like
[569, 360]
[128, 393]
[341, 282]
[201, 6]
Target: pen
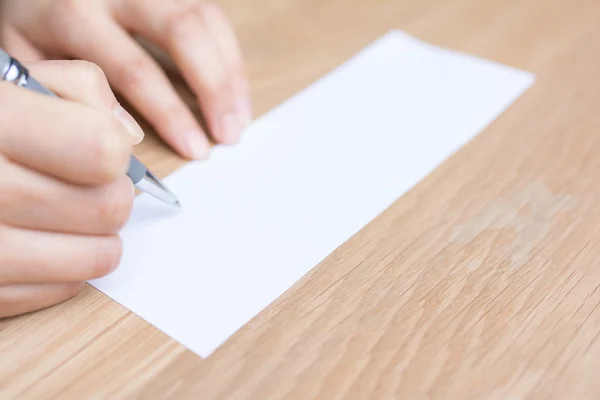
[11, 70]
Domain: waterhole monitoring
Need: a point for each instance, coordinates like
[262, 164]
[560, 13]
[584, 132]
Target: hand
[64, 192]
[195, 33]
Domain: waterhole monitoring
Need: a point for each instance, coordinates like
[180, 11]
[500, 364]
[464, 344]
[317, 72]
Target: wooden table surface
[480, 283]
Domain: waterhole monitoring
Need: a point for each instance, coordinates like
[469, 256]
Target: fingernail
[230, 128]
[197, 144]
[244, 110]
[129, 123]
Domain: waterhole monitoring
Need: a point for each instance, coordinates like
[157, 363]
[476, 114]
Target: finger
[35, 201]
[70, 141]
[34, 257]
[15, 44]
[84, 82]
[223, 34]
[203, 45]
[21, 299]
[144, 84]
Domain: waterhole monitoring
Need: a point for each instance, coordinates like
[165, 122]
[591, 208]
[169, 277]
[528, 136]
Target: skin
[58, 224]
[196, 35]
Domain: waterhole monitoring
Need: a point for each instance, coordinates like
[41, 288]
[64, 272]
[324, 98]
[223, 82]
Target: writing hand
[64, 192]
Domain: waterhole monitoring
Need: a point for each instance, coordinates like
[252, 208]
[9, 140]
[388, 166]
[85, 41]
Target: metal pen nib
[153, 186]
[147, 182]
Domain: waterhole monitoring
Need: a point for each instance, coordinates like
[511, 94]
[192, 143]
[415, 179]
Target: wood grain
[483, 282]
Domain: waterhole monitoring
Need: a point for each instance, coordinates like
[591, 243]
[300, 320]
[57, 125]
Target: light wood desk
[481, 283]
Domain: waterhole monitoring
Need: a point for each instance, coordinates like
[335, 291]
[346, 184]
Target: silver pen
[12, 71]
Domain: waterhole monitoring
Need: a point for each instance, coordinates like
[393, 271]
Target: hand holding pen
[66, 169]
[64, 189]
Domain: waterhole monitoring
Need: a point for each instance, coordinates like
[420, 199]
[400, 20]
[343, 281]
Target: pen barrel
[136, 171]
[34, 85]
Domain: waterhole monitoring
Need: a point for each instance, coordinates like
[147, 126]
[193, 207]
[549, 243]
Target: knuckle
[134, 72]
[116, 205]
[219, 94]
[201, 7]
[62, 15]
[180, 24]
[93, 76]
[172, 115]
[69, 7]
[186, 20]
[106, 258]
[214, 12]
[207, 7]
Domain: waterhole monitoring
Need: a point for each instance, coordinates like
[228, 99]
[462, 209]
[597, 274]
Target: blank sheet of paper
[305, 178]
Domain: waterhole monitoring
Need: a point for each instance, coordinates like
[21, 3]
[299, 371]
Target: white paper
[305, 178]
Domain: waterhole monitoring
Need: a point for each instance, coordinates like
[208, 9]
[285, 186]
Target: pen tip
[177, 204]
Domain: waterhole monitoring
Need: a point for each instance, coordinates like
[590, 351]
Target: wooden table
[480, 283]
